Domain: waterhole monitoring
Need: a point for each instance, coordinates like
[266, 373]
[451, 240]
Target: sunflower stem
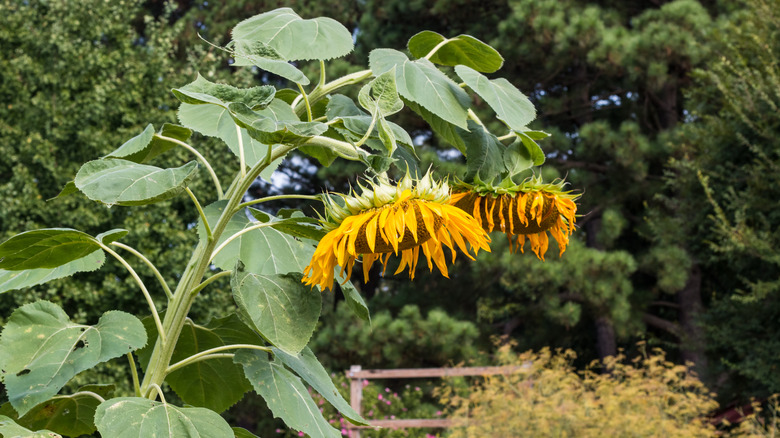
[183, 296]
[320, 92]
[305, 101]
[275, 198]
[200, 157]
[148, 263]
[206, 354]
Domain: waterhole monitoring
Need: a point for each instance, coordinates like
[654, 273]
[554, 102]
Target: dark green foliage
[730, 174]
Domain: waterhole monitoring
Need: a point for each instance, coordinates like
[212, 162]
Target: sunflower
[525, 211]
[386, 219]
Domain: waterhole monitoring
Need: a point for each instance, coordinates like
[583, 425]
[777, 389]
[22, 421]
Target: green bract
[262, 345]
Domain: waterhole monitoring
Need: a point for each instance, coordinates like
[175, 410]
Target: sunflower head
[523, 211]
[386, 219]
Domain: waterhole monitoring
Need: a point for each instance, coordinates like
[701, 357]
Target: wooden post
[355, 393]
[357, 375]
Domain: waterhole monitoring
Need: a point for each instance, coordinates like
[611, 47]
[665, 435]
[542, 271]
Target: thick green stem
[207, 354]
[320, 92]
[278, 197]
[183, 297]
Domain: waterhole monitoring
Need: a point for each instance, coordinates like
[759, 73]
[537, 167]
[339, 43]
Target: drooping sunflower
[523, 211]
[385, 219]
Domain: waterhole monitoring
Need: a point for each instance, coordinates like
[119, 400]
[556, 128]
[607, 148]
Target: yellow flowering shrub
[763, 422]
[547, 397]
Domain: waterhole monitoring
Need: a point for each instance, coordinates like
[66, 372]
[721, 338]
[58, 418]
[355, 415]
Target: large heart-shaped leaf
[9, 429]
[446, 130]
[203, 91]
[285, 394]
[121, 182]
[294, 38]
[270, 131]
[146, 145]
[279, 307]
[13, 280]
[42, 349]
[70, 415]
[306, 365]
[263, 250]
[420, 81]
[135, 417]
[484, 153]
[195, 383]
[266, 58]
[461, 50]
[45, 248]
[510, 105]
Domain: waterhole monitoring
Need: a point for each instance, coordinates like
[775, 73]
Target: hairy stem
[278, 197]
[330, 87]
[200, 213]
[183, 296]
[148, 263]
[134, 373]
[141, 285]
[207, 354]
[200, 157]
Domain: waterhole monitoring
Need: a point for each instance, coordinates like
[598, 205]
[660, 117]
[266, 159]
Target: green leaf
[121, 182]
[484, 153]
[340, 105]
[9, 429]
[147, 145]
[354, 299]
[517, 158]
[510, 105]
[263, 251]
[461, 50]
[294, 38]
[196, 383]
[269, 131]
[324, 155]
[447, 131]
[420, 81]
[243, 433]
[216, 121]
[280, 307]
[532, 148]
[297, 225]
[202, 91]
[381, 93]
[306, 365]
[266, 58]
[69, 189]
[13, 280]
[285, 394]
[45, 248]
[134, 417]
[42, 349]
[70, 415]
[111, 236]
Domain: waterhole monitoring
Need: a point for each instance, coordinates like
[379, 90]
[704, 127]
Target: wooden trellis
[356, 376]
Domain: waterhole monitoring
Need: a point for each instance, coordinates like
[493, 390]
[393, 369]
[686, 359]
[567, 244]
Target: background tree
[721, 199]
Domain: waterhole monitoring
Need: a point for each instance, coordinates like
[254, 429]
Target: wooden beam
[399, 424]
[418, 373]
